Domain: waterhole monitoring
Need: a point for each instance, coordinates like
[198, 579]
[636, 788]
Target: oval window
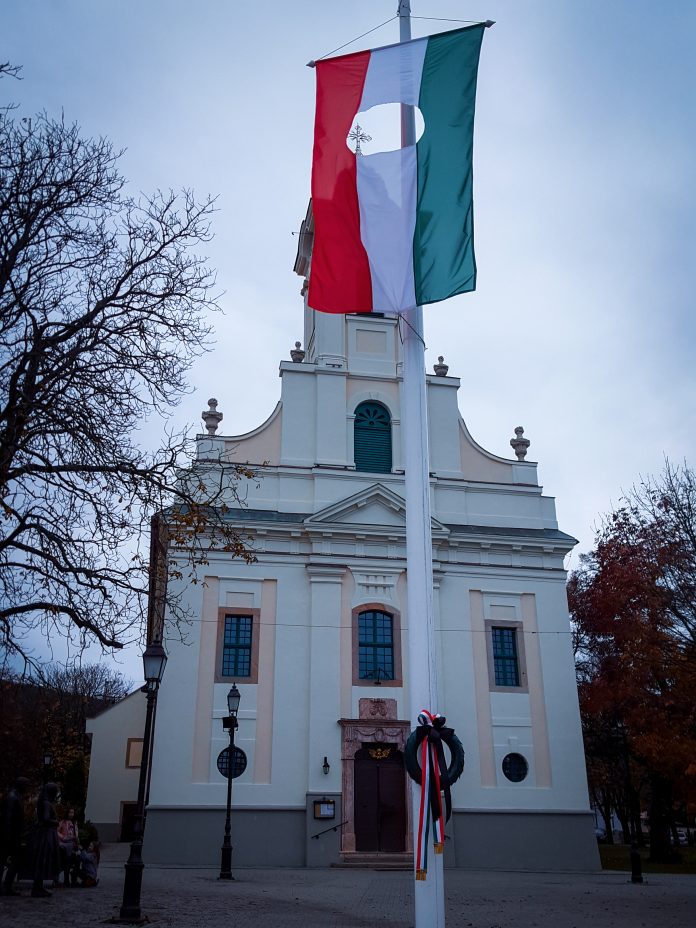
[515, 767]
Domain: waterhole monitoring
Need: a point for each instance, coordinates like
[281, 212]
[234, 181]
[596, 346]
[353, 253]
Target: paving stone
[194, 898]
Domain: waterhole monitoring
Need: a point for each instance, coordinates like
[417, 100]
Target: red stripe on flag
[340, 276]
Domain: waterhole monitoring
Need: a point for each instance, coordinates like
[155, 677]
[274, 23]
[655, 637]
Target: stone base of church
[109, 832]
[520, 840]
[291, 837]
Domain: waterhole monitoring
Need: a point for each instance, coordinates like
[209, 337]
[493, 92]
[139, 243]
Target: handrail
[330, 828]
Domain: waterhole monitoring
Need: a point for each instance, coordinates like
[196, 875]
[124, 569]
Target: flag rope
[312, 63]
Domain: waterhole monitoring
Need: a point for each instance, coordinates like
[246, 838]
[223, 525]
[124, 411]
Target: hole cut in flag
[379, 129]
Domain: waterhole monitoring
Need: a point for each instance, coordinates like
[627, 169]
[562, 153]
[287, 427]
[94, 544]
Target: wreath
[434, 778]
[437, 735]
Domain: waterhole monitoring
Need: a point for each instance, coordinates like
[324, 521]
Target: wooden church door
[380, 799]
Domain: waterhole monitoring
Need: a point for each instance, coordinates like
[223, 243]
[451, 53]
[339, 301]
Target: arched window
[372, 438]
[375, 645]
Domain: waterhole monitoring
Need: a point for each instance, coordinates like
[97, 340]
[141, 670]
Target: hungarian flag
[395, 229]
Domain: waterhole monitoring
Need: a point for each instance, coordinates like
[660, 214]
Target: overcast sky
[582, 327]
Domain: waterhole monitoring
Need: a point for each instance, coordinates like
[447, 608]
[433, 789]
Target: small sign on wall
[324, 808]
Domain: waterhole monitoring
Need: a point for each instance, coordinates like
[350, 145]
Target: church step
[376, 861]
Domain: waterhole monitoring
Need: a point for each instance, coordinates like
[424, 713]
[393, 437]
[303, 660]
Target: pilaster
[324, 672]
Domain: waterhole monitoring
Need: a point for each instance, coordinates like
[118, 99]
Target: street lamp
[231, 723]
[154, 661]
[47, 764]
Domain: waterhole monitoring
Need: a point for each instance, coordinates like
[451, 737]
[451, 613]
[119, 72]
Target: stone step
[376, 861]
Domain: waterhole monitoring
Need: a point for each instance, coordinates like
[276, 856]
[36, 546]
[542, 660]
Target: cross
[357, 135]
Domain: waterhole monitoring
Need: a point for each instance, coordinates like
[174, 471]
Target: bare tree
[83, 689]
[668, 504]
[103, 302]
[47, 713]
[7, 69]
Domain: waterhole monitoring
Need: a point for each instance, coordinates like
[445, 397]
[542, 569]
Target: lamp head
[233, 699]
[154, 662]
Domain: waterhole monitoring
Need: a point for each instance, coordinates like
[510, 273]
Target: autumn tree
[104, 304]
[47, 712]
[632, 601]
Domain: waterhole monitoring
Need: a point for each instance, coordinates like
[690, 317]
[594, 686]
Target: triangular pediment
[376, 506]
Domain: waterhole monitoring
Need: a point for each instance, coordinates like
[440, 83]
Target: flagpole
[423, 689]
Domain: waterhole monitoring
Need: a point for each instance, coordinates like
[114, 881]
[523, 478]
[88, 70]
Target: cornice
[513, 537]
[324, 573]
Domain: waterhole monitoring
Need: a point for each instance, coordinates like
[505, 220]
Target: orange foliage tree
[633, 602]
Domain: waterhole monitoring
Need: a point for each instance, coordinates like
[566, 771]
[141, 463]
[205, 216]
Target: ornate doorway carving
[384, 813]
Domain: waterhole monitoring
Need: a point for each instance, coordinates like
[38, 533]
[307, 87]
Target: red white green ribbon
[430, 807]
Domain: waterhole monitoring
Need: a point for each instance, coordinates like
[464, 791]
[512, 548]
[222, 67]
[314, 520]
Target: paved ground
[194, 898]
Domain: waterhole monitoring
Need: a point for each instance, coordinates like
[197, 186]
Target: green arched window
[372, 438]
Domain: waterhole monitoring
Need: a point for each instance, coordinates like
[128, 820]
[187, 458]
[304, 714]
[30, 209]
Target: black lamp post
[154, 661]
[233, 698]
[47, 765]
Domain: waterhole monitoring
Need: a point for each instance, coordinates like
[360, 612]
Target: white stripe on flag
[394, 75]
[387, 181]
[387, 198]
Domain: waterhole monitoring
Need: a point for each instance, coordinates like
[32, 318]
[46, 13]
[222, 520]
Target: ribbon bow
[434, 780]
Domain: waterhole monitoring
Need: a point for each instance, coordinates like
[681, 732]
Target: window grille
[236, 646]
[515, 767]
[505, 659]
[375, 645]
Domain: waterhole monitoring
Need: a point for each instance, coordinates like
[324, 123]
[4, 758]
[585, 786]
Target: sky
[582, 326]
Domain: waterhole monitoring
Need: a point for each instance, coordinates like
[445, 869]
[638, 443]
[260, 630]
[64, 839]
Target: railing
[330, 828]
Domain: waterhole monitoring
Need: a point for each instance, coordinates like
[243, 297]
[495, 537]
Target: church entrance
[380, 799]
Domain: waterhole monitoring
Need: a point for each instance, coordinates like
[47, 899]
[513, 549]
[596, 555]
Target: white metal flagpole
[423, 690]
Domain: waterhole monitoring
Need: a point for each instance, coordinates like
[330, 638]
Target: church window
[238, 645]
[515, 767]
[507, 669]
[376, 646]
[372, 438]
[506, 658]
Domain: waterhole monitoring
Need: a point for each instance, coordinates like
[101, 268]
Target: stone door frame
[374, 727]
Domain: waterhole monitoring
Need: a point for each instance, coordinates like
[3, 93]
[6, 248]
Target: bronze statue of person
[45, 852]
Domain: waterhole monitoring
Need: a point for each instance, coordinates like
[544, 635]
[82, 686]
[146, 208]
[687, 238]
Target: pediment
[376, 506]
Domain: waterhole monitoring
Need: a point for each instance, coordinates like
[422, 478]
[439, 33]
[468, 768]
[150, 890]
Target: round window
[515, 767]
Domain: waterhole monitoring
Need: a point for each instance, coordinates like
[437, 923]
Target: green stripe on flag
[443, 244]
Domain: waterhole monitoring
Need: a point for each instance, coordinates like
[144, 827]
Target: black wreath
[437, 735]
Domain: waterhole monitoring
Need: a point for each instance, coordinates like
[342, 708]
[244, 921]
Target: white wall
[110, 782]
[307, 579]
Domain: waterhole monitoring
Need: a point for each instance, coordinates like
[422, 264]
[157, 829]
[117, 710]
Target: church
[314, 634]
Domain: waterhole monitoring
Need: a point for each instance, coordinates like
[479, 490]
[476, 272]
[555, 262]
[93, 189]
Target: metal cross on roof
[357, 135]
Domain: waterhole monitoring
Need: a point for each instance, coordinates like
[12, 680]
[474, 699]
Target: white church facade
[314, 634]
